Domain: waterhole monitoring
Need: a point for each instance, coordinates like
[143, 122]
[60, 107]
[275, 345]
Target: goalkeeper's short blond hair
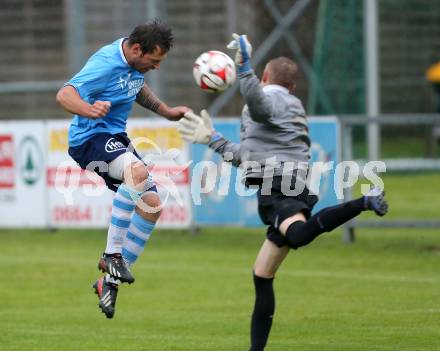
[282, 71]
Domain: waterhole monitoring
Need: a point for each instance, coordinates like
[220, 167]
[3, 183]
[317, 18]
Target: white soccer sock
[122, 210]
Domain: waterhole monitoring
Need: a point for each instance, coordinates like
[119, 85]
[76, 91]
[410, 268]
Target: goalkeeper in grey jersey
[274, 148]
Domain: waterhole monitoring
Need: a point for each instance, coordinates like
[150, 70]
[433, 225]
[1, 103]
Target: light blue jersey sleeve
[93, 77]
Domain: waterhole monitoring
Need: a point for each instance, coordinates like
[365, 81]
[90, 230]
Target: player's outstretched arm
[146, 98]
[259, 104]
[71, 101]
[199, 130]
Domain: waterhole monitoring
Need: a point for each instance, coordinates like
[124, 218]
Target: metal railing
[401, 164]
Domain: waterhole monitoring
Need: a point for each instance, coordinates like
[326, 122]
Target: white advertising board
[79, 198]
[23, 196]
[76, 198]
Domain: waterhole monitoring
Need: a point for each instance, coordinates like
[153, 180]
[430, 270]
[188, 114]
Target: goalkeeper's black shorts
[275, 207]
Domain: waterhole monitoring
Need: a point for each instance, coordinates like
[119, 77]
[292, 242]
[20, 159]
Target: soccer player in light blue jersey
[101, 96]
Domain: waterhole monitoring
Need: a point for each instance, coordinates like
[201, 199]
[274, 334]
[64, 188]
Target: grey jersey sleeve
[259, 104]
[229, 150]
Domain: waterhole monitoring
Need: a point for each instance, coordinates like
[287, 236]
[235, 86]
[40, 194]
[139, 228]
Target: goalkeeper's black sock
[263, 312]
[301, 233]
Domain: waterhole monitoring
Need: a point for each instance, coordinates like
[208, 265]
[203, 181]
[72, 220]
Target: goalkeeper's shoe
[375, 201]
[107, 293]
[115, 265]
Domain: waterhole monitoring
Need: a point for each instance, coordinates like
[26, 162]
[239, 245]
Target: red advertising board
[6, 161]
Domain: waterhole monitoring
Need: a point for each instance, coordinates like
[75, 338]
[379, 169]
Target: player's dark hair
[282, 71]
[152, 34]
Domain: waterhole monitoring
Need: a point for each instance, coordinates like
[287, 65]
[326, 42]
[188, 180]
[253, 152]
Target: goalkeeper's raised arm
[282, 72]
[259, 105]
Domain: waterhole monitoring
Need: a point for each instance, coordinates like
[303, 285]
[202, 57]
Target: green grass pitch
[195, 292]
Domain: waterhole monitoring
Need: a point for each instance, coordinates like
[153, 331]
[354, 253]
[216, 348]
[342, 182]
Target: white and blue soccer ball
[214, 71]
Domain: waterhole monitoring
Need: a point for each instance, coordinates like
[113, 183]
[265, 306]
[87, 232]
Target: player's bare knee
[136, 175]
[150, 206]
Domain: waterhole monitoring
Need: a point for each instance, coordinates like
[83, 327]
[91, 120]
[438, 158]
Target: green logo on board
[30, 160]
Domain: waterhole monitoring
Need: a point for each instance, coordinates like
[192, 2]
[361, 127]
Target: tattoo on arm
[148, 99]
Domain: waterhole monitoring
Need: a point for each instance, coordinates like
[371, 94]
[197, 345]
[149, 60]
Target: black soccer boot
[375, 201]
[115, 265]
[107, 293]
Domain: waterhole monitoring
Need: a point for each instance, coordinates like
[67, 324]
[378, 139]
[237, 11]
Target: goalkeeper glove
[196, 129]
[243, 54]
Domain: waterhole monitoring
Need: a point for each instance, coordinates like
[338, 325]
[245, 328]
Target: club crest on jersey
[123, 80]
[113, 145]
